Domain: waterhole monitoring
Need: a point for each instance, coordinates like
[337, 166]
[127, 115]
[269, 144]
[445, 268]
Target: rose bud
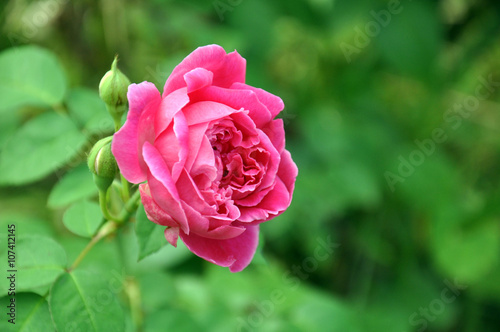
[113, 91]
[102, 163]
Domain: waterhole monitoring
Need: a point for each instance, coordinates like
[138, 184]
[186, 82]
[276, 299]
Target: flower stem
[105, 230]
[103, 202]
[110, 226]
[117, 124]
[130, 207]
[125, 189]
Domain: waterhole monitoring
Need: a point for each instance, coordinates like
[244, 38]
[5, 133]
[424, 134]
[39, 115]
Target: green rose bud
[102, 163]
[113, 91]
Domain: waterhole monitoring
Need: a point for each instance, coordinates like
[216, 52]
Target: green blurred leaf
[73, 186]
[39, 260]
[171, 319]
[456, 250]
[25, 224]
[83, 299]
[83, 218]
[89, 111]
[159, 296]
[30, 75]
[149, 235]
[408, 49]
[32, 314]
[316, 312]
[41, 146]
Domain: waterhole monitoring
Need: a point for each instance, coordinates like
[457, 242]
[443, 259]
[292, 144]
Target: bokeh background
[392, 115]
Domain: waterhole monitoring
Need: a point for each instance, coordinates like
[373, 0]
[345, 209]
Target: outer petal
[237, 99]
[227, 68]
[198, 78]
[288, 171]
[235, 253]
[170, 105]
[206, 111]
[153, 211]
[162, 186]
[276, 133]
[172, 234]
[273, 103]
[126, 141]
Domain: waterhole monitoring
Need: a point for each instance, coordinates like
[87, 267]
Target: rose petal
[170, 105]
[206, 111]
[181, 131]
[227, 68]
[276, 133]
[274, 203]
[198, 78]
[196, 135]
[231, 71]
[269, 177]
[237, 99]
[204, 162]
[278, 199]
[273, 103]
[125, 143]
[172, 234]
[153, 211]
[235, 253]
[288, 171]
[162, 186]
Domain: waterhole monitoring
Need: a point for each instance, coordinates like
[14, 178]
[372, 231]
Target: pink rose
[209, 155]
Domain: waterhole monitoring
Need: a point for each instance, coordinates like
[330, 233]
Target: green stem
[125, 189]
[104, 231]
[130, 207]
[103, 202]
[112, 224]
[117, 124]
[133, 292]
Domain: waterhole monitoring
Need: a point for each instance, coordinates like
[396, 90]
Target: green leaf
[25, 224]
[149, 235]
[32, 313]
[161, 320]
[30, 75]
[42, 145]
[84, 299]
[83, 218]
[73, 186]
[416, 50]
[38, 260]
[89, 111]
[456, 250]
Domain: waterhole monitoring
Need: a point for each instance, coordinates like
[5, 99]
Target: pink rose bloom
[209, 155]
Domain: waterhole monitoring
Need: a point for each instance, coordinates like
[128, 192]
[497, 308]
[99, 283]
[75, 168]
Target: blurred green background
[392, 116]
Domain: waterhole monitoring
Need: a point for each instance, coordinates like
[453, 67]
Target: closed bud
[113, 90]
[102, 163]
